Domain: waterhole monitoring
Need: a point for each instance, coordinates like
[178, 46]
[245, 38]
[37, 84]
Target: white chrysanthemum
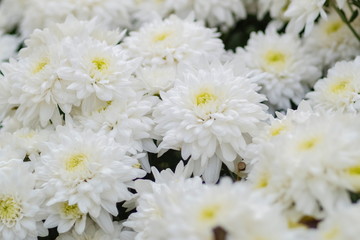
[97, 69]
[204, 211]
[89, 170]
[281, 124]
[340, 89]
[41, 13]
[285, 122]
[65, 66]
[20, 213]
[36, 89]
[303, 13]
[288, 71]
[172, 41]
[316, 168]
[331, 40]
[218, 208]
[211, 116]
[73, 28]
[128, 122]
[93, 232]
[340, 225]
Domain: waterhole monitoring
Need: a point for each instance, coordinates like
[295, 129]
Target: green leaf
[356, 3]
[354, 15]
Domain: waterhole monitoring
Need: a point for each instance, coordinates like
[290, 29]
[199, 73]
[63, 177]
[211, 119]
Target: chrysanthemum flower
[172, 41]
[331, 41]
[65, 66]
[288, 71]
[36, 89]
[316, 168]
[98, 70]
[88, 171]
[210, 115]
[20, 213]
[202, 211]
[340, 89]
[71, 28]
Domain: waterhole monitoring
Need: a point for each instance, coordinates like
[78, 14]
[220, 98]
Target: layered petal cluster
[204, 211]
[339, 91]
[288, 71]
[211, 116]
[73, 64]
[173, 40]
[315, 170]
[85, 173]
[331, 41]
[20, 213]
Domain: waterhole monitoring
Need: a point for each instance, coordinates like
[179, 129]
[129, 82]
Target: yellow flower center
[339, 87]
[354, 170]
[159, 37]
[107, 104]
[40, 66]
[209, 213]
[294, 225]
[204, 98]
[275, 57]
[100, 64]
[136, 165]
[10, 211]
[75, 162]
[308, 144]
[263, 181]
[276, 131]
[333, 27]
[71, 211]
[28, 135]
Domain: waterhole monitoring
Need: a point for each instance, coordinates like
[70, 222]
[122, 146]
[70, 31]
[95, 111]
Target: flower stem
[343, 17]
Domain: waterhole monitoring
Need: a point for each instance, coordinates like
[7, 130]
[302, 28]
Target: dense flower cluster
[142, 120]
